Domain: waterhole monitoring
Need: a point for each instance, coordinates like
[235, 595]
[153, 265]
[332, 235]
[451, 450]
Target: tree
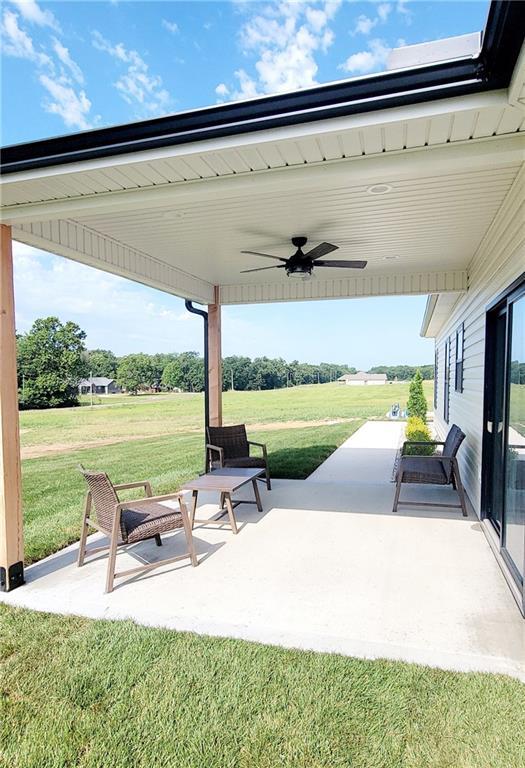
[185, 372]
[135, 372]
[417, 404]
[51, 362]
[102, 362]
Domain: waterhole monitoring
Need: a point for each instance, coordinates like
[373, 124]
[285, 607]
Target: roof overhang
[172, 202]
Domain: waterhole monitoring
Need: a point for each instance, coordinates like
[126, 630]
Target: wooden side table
[225, 481]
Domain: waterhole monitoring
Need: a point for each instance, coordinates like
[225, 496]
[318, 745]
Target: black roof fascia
[502, 41]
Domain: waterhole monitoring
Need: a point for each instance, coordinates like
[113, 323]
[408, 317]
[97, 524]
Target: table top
[227, 480]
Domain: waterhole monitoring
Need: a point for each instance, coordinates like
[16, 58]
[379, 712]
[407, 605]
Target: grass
[92, 694]
[154, 415]
[53, 489]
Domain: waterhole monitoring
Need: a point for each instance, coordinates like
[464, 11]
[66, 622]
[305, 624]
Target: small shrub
[416, 429]
[417, 403]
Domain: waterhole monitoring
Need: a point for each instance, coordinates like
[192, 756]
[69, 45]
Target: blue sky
[87, 64]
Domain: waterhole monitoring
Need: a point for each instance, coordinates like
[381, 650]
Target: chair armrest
[419, 442]
[434, 457]
[423, 442]
[138, 502]
[259, 445]
[141, 484]
[216, 449]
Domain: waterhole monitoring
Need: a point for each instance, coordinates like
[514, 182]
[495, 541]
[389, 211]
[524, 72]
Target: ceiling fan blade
[321, 250]
[261, 269]
[264, 255]
[342, 264]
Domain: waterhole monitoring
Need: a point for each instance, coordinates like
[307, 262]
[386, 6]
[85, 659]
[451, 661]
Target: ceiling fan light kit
[301, 265]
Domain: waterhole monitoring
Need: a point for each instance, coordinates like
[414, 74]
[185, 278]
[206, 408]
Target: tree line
[53, 359]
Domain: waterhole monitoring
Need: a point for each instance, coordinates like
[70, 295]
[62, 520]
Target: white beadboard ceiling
[177, 218]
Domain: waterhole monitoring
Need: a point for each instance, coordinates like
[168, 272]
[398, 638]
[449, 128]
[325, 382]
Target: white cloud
[104, 305]
[383, 11]
[401, 7]
[53, 74]
[63, 54]
[171, 26]
[31, 11]
[374, 58]
[222, 90]
[72, 107]
[285, 37]
[364, 25]
[136, 85]
[17, 43]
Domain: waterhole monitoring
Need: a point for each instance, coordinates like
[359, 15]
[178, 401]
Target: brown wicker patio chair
[441, 468]
[130, 521]
[230, 447]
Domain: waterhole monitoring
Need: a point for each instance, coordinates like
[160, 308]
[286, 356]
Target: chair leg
[110, 576]
[461, 494]
[268, 481]
[84, 532]
[397, 494]
[158, 540]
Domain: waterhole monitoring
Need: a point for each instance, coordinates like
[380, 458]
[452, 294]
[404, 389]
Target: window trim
[446, 384]
[436, 376]
[460, 357]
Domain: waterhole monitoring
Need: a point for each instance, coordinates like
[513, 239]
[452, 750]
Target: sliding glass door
[504, 434]
[514, 492]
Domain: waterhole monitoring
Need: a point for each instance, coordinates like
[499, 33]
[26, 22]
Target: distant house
[98, 385]
[361, 379]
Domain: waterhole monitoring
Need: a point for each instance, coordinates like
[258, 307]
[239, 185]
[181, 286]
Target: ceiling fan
[301, 264]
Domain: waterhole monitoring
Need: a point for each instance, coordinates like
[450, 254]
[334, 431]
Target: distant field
[160, 438]
[124, 417]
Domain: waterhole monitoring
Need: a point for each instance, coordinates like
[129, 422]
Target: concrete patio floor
[326, 566]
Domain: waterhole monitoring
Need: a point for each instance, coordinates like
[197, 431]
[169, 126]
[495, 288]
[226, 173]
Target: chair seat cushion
[419, 469]
[148, 520]
[246, 462]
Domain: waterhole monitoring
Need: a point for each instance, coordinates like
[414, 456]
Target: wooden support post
[11, 528]
[215, 361]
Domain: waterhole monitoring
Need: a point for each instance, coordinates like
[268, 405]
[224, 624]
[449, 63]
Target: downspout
[204, 315]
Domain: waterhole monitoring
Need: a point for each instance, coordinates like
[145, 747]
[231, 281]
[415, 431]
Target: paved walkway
[325, 567]
[366, 457]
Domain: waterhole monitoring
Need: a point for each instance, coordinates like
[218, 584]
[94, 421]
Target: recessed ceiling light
[379, 189]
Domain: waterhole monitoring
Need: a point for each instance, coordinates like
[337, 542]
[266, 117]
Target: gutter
[490, 70]
[432, 301]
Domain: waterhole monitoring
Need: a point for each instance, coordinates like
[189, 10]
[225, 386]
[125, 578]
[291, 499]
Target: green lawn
[53, 489]
[78, 693]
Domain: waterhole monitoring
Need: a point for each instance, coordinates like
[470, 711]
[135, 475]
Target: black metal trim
[13, 577]
[202, 313]
[502, 41]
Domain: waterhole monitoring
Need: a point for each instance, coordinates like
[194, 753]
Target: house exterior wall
[499, 260]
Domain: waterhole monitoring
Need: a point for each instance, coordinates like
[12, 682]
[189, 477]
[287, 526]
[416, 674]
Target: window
[460, 335]
[446, 376]
[436, 369]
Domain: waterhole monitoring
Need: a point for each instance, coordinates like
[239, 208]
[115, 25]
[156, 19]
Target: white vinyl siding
[499, 260]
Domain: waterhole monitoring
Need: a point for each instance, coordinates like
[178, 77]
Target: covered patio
[325, 566]
[408, 171]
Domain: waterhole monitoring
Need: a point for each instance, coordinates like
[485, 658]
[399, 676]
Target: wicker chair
[130, 521]
[230, 447]
[439, 469]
